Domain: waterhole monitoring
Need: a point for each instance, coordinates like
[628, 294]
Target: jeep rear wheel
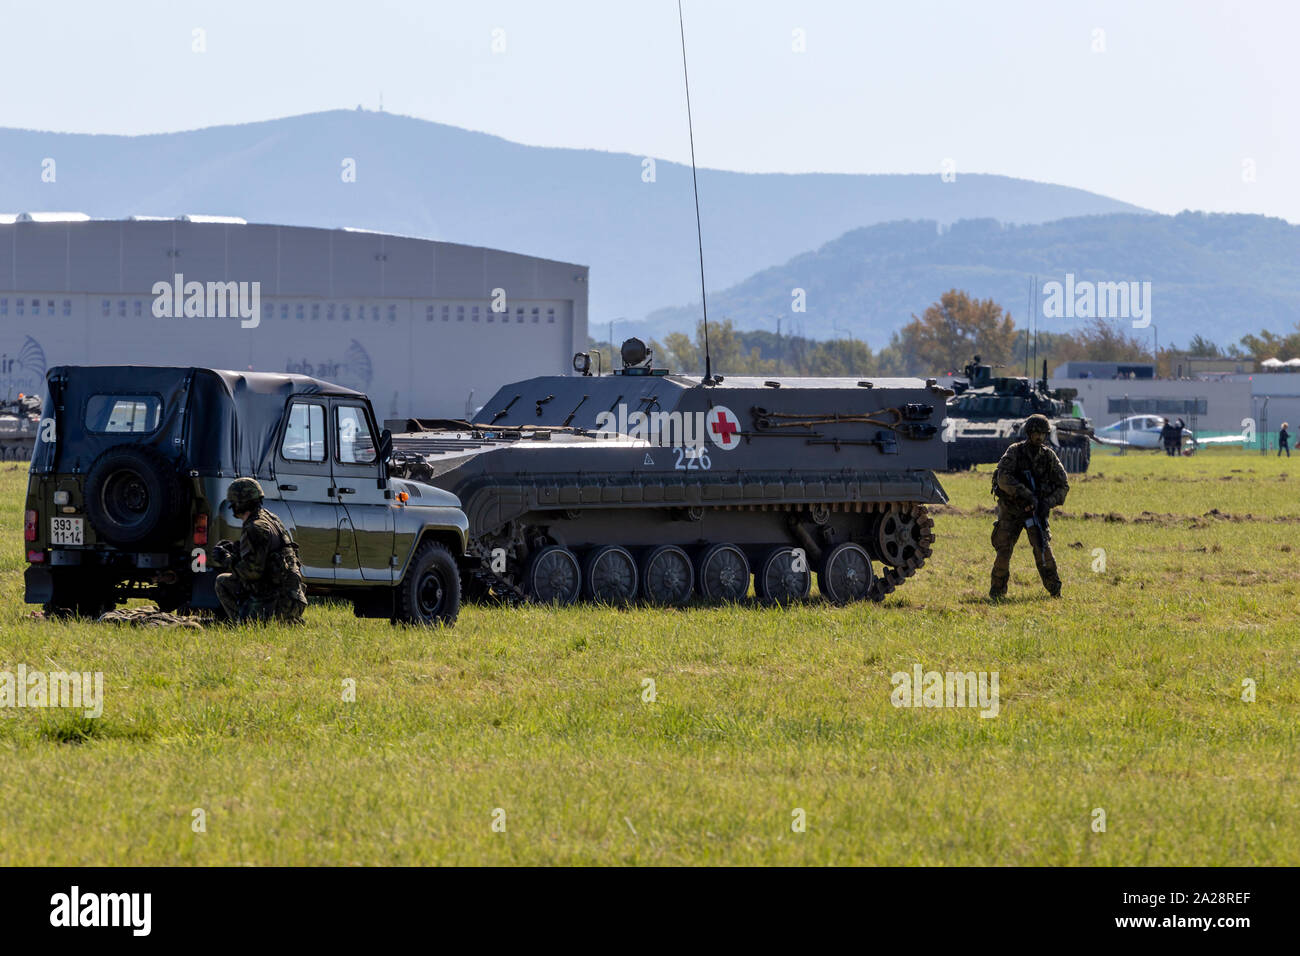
[132, 496]
[430, 592]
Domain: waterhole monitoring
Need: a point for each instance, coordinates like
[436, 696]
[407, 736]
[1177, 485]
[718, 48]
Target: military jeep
[126, 493]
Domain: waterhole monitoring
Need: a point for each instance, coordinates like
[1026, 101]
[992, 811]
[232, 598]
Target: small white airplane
[1143, 431]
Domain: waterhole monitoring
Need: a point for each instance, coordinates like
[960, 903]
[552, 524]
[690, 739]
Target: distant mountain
[440, 182]
[1220, 276]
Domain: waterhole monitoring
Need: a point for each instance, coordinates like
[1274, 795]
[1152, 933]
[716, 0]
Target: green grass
[1125, 696]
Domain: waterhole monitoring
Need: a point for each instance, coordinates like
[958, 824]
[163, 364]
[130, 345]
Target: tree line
[940, 341]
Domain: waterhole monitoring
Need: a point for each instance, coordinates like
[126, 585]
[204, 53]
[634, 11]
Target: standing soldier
[1029, 482]
[1166, 436]
[264, 580]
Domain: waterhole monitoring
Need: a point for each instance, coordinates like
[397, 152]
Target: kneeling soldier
[1029, 482]
[264, 581]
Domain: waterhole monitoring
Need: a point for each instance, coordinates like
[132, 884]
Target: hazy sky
[1172, 105]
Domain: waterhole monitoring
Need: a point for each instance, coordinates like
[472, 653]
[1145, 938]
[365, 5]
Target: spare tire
[133, 496]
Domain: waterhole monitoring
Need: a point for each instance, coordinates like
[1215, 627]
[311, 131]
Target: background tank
[644, 485]
[987, 413]
[19, 419]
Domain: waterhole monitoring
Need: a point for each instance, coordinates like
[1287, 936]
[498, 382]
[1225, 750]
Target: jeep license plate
[67, 531]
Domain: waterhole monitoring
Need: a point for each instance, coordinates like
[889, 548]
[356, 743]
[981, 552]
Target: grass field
[1124, 696]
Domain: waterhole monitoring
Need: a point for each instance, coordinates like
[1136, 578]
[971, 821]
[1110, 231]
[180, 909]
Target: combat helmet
[244, 493]
[1037, 423]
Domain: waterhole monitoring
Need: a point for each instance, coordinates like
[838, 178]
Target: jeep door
[306, 484]
[366, 513]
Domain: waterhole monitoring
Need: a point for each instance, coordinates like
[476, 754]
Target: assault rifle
[1036, 521]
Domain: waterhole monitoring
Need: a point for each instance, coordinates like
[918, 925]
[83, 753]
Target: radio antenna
[699, 232]
[1033, 287]
[1034, 368]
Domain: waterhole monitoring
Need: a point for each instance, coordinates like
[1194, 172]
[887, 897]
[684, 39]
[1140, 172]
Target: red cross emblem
[723, 427]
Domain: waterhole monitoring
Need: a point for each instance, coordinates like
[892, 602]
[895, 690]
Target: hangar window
[18, 303]
[550, 316]
[268, 311]
[329, 312]
[519, 314]
[428, 313]
[4, 306]
[374, 313]
[446, 313]
[536, 315]
[347, 313]
[315, 311]
[49, 306]
[121, 308]
[67, 307]
[474, 310]
[392, 313]
[107, 307]
[139, 308]
[299, 312]
[460, 313]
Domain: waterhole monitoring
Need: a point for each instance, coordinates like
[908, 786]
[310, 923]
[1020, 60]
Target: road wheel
[783, 577]
[845, 574]
[133, 496]
[724, 574]
[430, 592]
[553, 576]
[667, 575]
[610, 575]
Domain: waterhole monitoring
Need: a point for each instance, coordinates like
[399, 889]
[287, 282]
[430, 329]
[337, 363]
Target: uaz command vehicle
[126, 493]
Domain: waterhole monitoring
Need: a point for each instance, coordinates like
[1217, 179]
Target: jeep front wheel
[430, 592]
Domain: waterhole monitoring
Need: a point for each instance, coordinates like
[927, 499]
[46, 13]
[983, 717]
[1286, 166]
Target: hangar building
[427, 329]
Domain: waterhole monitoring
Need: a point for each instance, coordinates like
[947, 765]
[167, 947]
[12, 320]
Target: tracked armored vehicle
[644, 485]
[988, 413]
[19, 420]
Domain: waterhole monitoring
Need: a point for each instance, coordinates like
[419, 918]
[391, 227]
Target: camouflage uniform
[265, 578]
[1014, 500]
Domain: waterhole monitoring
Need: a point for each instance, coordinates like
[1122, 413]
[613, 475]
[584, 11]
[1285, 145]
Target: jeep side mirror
[385, 445]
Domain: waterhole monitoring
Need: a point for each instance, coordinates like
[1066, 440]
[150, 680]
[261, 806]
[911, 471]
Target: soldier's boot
[998, 585]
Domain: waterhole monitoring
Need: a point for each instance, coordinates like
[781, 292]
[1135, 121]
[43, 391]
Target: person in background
[1167, 436]
[1284, 441]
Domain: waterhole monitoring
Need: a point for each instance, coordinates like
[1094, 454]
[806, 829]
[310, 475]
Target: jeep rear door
[366, 515]
[306, 484]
